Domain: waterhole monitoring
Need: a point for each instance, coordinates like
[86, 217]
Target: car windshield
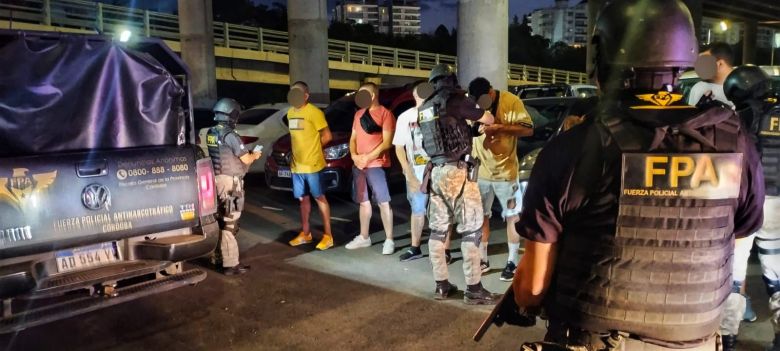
[255, 116]
[530, 93]
[340, 115]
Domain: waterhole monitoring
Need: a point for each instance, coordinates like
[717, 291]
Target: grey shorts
[369, 177]
[507, 194]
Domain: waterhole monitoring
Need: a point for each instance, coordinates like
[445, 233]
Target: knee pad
[438, 236]
[473, 237]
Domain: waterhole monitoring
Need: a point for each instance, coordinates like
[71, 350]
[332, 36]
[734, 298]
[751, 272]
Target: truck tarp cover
[76, 92]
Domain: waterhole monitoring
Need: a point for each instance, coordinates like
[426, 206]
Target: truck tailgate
[59, 201]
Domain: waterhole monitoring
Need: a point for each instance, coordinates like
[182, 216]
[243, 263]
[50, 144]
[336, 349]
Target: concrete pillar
[308, 40]
[749, 42]
[197, 49]
[593, 11]
[483, 41]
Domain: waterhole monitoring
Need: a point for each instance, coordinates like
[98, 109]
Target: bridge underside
[269, 67]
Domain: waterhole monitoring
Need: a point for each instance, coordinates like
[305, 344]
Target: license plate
[284, 173]
[87, 256]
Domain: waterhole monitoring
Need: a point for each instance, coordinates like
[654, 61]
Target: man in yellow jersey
[309, 133]
[497, 149]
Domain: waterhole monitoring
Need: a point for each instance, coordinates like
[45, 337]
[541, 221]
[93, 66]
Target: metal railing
[104, 18]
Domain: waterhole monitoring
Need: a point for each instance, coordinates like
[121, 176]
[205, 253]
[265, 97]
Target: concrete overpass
[253, 54]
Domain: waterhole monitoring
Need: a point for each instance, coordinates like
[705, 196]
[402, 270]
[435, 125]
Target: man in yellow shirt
[496, 147]
[309, 132]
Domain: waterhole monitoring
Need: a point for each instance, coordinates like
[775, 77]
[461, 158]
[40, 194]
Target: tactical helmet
[745, 83]
[439, 71]
[226, 110]
[645, 34]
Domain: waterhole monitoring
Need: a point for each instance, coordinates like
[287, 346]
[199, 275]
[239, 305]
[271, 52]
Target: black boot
[444, 289]
[478, 295]
[775, 344]
[235, 270]
[729, 342]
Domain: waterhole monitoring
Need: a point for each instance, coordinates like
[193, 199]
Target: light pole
[775, 45]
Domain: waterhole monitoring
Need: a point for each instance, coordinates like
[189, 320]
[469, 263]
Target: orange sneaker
[301, 239]
[326, 242]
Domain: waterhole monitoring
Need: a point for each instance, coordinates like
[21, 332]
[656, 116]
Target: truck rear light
[206, 187]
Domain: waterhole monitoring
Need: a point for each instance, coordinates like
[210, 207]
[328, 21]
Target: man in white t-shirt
[724, 57]
[413, 159]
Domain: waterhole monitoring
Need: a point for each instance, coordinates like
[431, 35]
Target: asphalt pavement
[303, 299]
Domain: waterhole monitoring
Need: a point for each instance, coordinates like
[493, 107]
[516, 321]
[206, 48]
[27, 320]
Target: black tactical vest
[664, 273]
[446, 138]
[769, 146]
[222, 157]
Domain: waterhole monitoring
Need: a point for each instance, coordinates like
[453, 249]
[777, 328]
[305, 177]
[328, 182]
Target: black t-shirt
[554, 203]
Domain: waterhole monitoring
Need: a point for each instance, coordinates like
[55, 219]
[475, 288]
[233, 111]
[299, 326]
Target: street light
[724, 26]
[775, 45]
[124, 36]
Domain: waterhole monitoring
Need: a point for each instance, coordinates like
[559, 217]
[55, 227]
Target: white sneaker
[358, 243]
[388, 248]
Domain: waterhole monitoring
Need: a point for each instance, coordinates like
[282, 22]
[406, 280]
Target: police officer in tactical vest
[748, 87]
[231, 161]
[451, 181]
[630, 218]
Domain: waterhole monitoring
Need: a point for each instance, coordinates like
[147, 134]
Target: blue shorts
[370, 177]
[419, 202]
[306, 184]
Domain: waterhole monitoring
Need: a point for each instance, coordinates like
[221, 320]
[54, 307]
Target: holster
[426, 180]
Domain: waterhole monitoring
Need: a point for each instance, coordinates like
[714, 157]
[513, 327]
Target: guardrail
[105, 18]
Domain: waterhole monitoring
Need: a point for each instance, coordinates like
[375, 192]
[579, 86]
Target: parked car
[690, 78]
[101, 200]
[555, 90]
[337, 175]
[548, 115]
[258, 125]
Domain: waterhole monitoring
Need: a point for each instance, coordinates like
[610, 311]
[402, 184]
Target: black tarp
[66, 92]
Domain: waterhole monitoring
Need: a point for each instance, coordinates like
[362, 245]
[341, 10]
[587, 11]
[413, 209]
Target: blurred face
[418, 101]
[722, 69]
[298, 97]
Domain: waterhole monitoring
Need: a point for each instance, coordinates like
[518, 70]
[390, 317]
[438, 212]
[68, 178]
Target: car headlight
[336, 152]
[527, 163]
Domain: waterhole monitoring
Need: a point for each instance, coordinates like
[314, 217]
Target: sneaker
[750, 315]
[444, 290]
[412, 253]
[388, 248]
[235, 270]
[728, 342]
[301, 239]
[484, 266]
[358, 243]
[480, 297]
[448, 256]
[509, 272]
[325, 243]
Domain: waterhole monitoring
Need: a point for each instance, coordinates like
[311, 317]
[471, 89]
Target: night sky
[436, 12]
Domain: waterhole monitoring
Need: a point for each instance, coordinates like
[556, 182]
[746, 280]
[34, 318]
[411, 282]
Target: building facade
[397, 17]
[717, 30]
[562, 23]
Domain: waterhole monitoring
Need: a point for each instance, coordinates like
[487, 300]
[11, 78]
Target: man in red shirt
[372, 137]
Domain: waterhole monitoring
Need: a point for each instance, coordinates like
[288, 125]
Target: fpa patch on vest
[698, 176]
[770, 126]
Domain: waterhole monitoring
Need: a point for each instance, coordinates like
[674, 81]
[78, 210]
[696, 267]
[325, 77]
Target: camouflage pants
[230, 193]
[454, 201]
[560, 338]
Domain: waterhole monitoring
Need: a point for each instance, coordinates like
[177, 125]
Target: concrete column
[483, 41]
[749, 42]
[593, 11]
[197, 49]
[308, 40]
